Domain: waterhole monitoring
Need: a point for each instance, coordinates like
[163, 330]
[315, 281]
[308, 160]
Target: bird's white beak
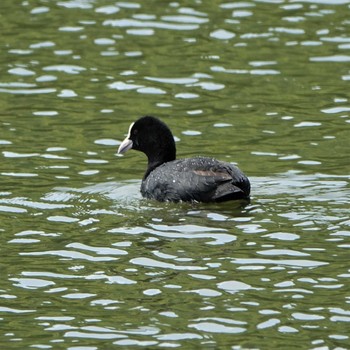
[125, 146]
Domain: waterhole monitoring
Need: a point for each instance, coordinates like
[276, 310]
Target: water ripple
[127, 23]
[214, 327]
[70, 254]
[65, 68]
[148, 262]
[291, 262]
[87, 262]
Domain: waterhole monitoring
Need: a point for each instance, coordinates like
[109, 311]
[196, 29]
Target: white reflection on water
[278, 262]
[234, 286]
[70, 254]
[133, 23]
[155, 263]
[213, 327]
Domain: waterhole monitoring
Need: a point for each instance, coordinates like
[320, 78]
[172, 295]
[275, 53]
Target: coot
[199, 179]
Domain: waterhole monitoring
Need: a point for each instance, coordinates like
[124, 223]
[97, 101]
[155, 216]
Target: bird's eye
[135, 132]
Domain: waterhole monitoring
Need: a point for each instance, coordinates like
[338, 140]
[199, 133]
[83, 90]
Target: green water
[86, 263]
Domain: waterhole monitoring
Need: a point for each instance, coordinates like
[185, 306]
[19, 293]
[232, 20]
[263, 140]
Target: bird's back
[198, 179]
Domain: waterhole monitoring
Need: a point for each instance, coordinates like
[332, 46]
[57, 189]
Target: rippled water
[86, 263]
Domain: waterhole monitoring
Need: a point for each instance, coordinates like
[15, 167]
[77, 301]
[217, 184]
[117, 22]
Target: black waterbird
[199, 179]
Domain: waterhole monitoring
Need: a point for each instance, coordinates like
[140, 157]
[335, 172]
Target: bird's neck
[159, 157]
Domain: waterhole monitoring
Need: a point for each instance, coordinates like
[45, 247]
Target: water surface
[87, 263]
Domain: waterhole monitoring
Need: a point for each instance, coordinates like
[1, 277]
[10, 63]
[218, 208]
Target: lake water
[86, 263]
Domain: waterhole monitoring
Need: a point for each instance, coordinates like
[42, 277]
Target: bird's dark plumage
[199, 179]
